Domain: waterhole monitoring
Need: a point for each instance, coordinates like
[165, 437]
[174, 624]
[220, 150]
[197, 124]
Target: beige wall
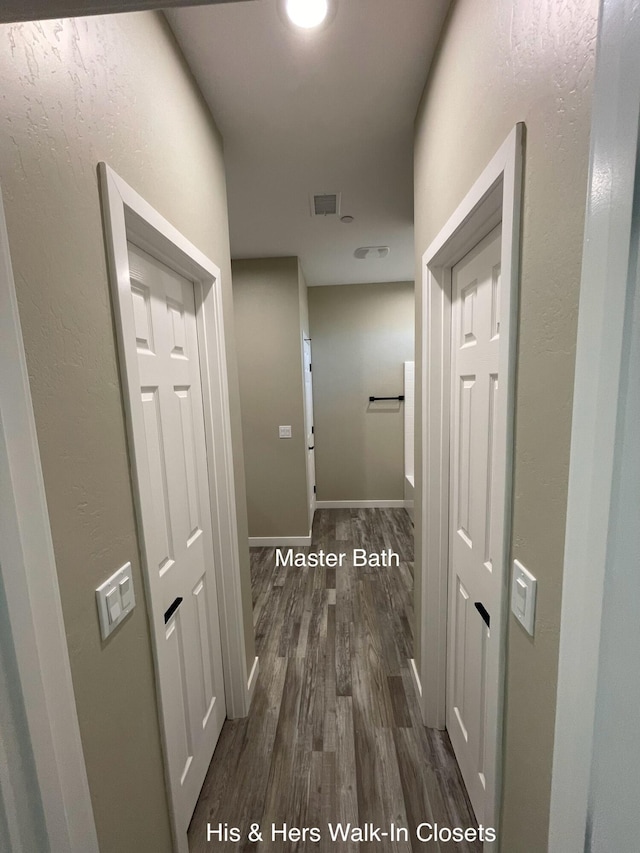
[501, 62]
[73, 93]
[360, 336]
[270, 312]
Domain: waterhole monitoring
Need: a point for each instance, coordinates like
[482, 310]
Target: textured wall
[360, 336]
[270, 314]
[75, 92]
[501, 62]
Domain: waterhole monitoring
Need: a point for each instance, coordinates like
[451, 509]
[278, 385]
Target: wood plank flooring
[334, 733]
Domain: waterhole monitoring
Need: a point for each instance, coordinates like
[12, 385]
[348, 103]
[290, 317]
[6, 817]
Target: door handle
[311, 448]
[482, 610]
[174, 606]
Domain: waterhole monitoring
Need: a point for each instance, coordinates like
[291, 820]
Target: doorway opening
[335, 733]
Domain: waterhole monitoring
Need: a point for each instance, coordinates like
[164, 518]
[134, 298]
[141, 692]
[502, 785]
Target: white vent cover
[371, 252]
[325, 204]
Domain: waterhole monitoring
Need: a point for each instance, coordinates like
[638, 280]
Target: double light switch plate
[115, 599]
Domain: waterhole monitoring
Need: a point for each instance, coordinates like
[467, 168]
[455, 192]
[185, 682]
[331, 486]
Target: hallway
[334, 733]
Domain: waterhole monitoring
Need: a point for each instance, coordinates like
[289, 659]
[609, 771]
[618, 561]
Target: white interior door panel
[474, 578]
[171, 459]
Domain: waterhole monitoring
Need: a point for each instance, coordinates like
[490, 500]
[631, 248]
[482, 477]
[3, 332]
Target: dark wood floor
[334, 733]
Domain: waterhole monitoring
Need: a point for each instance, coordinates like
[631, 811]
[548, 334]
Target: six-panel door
[473, 575]
[176, 513]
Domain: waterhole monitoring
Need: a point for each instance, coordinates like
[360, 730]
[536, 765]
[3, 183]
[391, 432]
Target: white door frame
[128, 217]
[596, 407]
[495, 197]
[309, 416]
[30, 582]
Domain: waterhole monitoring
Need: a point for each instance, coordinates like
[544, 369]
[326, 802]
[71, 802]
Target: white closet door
[474, 577]
[171, 457]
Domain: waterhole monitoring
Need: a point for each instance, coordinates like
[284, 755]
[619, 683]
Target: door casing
[495, 197]
[129, 218]
[34, 629]
[309, 428]
[600, 396]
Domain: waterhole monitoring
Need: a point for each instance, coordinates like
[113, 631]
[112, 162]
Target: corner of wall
[270, 293]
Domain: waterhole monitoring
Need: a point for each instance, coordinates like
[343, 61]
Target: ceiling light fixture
[307, 13]
[347, 218]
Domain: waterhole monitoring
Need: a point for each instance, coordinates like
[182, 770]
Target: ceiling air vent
[325, 204]
[371, 252]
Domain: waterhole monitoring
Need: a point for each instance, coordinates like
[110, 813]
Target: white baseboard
[253, 677]
[279, 541]
[415, 677]
[358, 504]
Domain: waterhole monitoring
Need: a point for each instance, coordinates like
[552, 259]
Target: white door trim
[128, 217]
[597, 392]
[31, 587]
[308, 416]
[495, 197]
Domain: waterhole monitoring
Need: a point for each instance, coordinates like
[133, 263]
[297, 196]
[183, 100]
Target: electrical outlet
[284, 432]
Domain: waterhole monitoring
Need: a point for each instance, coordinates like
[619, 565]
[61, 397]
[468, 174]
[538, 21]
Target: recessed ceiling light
[307, 13]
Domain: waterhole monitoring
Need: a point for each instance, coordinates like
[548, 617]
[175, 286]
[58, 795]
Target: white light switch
[284, 432]
[115, 599]
[523, 596]
[114, 609]
[126, 591]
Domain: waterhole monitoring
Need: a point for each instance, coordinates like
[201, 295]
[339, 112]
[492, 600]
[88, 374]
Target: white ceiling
[314, 112]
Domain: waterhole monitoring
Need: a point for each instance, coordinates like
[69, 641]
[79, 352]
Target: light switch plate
[523, 596]
[115, 599]
[284, 432]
